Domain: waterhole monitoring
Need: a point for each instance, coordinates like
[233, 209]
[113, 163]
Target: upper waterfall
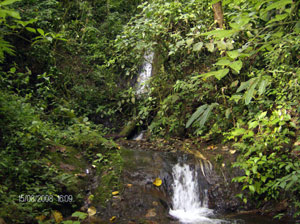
[145, 73]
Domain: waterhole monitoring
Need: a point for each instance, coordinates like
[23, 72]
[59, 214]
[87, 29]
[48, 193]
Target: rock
[67, 167]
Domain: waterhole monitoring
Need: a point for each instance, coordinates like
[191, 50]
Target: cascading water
[145, 73]
[187, 205]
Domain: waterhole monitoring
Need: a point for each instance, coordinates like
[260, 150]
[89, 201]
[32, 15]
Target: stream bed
[191, 192]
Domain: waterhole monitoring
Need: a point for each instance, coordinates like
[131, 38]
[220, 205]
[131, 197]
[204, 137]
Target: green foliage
[201, 114]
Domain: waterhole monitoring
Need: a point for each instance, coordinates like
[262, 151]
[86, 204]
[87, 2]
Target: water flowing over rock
[188, 207]
[145, 73]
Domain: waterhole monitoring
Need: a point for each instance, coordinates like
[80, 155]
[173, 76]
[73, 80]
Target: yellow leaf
[112, 219]
[115, 193]
[40, 218]
[129, 185]
[92, 211]
[157, 182]
[57, 216]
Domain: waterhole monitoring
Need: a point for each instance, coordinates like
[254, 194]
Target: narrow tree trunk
[218, 14]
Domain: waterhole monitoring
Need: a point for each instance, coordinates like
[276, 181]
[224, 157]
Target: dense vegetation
[67, 74]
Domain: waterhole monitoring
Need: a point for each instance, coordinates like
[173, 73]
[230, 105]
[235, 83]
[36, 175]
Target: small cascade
[145, 73]
[139, 136]
[188, 206]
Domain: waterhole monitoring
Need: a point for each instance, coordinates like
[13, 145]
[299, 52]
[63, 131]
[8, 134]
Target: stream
[186, 194]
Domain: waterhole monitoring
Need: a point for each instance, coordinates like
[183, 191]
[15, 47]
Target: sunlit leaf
[189, 41]
[210, 47]
[8, 2]
[233, 54]
[197, 46]
[223, 61]
[236, 65]
[30, 29]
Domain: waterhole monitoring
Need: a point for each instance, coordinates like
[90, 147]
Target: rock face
[142, 201]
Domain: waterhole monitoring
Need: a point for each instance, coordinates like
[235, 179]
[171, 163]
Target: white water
[138, 136]
[145, 73]
[187, 205]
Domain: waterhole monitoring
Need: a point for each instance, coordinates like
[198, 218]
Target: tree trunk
[218, 14]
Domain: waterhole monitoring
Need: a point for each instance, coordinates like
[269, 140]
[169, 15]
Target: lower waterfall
[188, 207]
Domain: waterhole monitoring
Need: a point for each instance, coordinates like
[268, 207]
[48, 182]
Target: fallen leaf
[211, 147]
[40, 218]
[92, 211]
[151, 213]
[57, 216]
[112, 219]
[155, 203]
[129, 185]
[115, 193]
[232, 151]
[157, 182]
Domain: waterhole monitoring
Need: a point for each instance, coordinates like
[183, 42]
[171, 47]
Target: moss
[128, 129]
[109, 178]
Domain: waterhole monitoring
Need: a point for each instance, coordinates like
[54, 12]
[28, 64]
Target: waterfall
[145, 73]
[188, 207]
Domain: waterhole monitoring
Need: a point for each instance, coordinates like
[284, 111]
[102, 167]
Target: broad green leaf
[220, 33]
[218, 74]
[14, 14]
[254, 169]
[262, 115]
[189, 42]
[206, 114]
[238, 131]
[8, 2]
[227, 113]
[80, 215]
[262, 86]
[221, 45]
[223, 61]
[278, 5]
[278, 18]
[236, 65]
[197, 46]
[234, 84]
[210, 47]
[41, 31]
[30, 29]
[250, 92]
[253, 124]
[245, 85]
[196, 115]
[242, 21]
[180, 43]
[233, 54]
[252, 188]
[204, 117]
